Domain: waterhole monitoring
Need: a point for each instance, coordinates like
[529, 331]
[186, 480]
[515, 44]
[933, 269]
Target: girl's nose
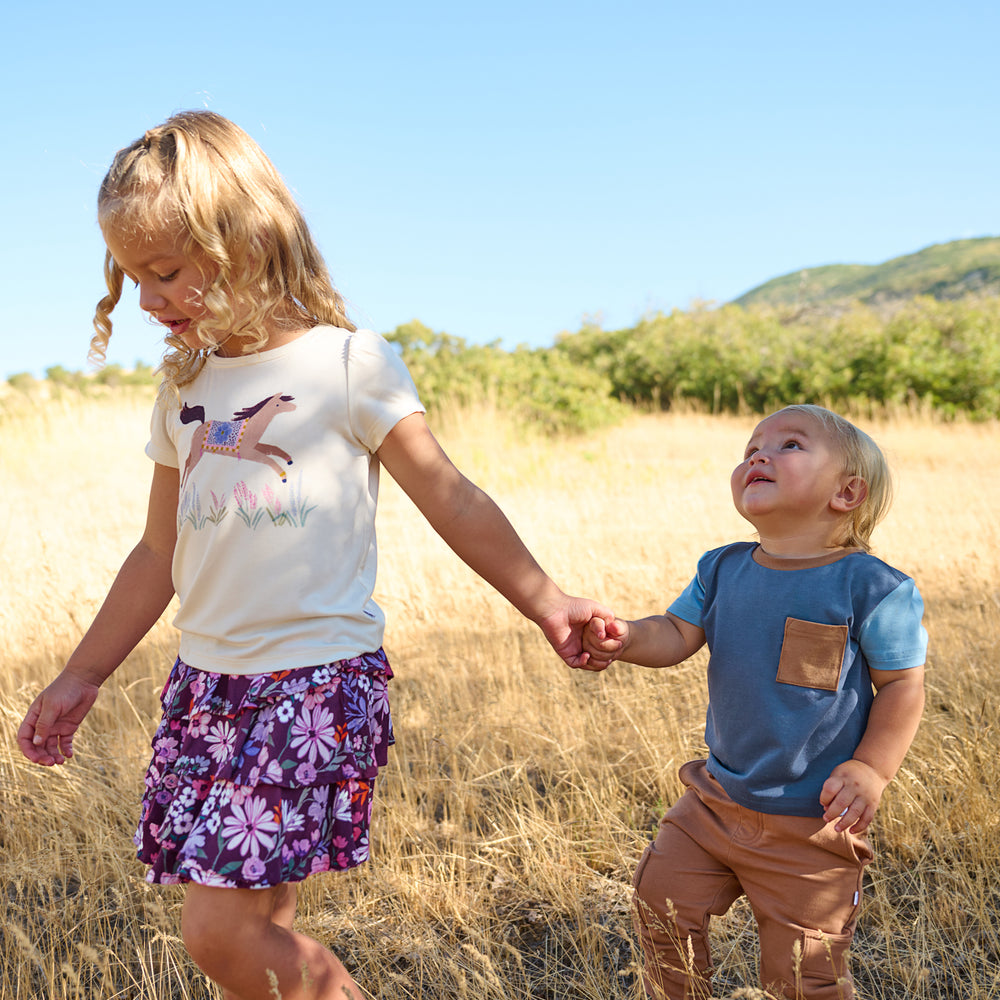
[149, 300]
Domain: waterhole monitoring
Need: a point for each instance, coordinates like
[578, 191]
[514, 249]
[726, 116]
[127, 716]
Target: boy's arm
[140, 593]
[853, 790]
[482, 537]
[657, 641]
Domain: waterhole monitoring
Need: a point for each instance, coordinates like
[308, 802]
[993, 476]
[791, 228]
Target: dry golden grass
[519, 794]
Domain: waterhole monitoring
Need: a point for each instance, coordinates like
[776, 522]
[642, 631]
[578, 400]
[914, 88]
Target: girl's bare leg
[242, 940]
[283, 914]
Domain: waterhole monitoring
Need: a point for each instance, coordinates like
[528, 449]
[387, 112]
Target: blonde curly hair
[202, 179]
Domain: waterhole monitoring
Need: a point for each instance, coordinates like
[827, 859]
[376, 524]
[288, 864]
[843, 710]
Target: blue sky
[507, 172]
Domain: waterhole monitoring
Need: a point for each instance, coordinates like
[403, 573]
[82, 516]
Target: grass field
[519, 794]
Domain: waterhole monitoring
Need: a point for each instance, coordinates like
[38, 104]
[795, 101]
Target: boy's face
[791, 470]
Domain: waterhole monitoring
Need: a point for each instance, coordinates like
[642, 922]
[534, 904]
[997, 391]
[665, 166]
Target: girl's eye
[791, 444]
[168, 277]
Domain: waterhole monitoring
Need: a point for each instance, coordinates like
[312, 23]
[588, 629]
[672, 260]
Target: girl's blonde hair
[203, 179]
[862, 458]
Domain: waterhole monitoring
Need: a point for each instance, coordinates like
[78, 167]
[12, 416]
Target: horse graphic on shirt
[239, 437]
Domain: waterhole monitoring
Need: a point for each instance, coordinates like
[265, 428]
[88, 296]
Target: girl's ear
[851, 495]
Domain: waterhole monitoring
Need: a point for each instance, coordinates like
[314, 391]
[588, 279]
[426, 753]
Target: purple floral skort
[267, 778]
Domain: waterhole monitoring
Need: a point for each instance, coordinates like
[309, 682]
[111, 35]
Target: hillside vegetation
[943, 271]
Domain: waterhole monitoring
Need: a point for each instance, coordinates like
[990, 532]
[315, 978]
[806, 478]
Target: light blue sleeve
[893, 636]
[688, 606]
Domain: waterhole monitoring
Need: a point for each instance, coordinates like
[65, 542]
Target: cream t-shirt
[276, 557]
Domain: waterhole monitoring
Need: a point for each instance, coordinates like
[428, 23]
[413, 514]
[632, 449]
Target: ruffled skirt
[263, 779]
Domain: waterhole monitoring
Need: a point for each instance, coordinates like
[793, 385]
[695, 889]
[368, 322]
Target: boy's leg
[679, 883]
[803, 881]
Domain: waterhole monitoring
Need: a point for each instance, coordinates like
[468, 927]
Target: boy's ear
[852, 494]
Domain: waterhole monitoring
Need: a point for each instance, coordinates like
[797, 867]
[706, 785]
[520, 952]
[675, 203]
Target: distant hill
[945, 271]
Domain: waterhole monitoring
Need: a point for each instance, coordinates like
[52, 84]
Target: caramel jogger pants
[802, 879]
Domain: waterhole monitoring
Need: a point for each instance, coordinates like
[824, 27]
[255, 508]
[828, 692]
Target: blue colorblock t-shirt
[791, 643]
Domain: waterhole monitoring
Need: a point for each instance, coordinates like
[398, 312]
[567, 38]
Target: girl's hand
[46, 735]
[564, 628]
[851, 795]
[603, 641]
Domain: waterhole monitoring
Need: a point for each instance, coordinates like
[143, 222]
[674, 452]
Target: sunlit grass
[519, 794]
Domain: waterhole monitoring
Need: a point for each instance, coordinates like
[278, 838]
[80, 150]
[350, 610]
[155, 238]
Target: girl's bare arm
[479, 533]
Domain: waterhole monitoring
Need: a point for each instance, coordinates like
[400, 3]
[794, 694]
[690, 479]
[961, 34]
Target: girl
[271, 424]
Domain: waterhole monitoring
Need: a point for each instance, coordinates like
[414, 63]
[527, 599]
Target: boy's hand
[851, 795]
[46, 735]
[603, 640]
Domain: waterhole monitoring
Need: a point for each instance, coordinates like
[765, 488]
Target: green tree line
[943, 355]
[939, 355]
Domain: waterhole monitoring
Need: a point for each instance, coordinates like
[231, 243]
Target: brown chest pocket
[812, 654]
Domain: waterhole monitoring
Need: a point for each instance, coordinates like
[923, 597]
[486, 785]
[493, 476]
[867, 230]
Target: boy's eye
[791, 444]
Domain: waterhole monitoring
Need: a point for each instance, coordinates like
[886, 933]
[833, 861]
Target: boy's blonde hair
[202, 179]
[862, 458]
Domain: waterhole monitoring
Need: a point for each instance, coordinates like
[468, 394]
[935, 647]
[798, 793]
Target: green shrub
[540, 386]
[943, 354]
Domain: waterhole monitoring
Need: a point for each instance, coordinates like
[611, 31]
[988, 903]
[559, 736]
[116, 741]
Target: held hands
[565, 629]
[603, 640]
[852, 793]
[46, 735]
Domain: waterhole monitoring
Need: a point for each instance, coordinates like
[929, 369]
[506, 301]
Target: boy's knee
[654, 911]
[664, 903]
[677, 959]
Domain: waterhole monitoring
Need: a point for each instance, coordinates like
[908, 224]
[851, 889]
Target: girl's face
[170, 283]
